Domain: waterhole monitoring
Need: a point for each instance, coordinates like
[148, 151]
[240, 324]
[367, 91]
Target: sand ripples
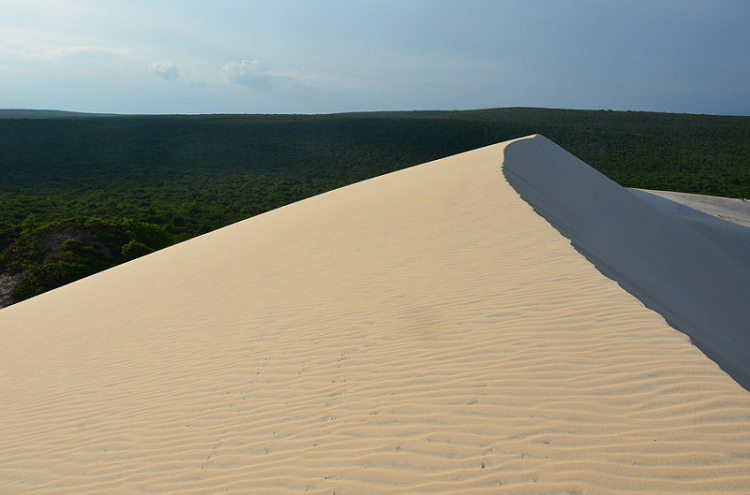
[438, 337]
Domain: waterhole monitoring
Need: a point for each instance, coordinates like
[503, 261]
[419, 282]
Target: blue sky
[325, 56]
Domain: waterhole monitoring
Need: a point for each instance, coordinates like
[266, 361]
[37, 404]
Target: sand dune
[725, 221]
[421, 332]
[686, 273]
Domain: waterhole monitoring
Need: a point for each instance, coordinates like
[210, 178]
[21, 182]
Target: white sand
[422, 332]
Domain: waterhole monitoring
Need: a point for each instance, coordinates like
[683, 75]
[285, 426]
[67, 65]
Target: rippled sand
[422, 332]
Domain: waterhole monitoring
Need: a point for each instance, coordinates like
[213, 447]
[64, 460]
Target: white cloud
[165, 70]
[196, 79]
[86, 52]
[254, 74]
[47, 53]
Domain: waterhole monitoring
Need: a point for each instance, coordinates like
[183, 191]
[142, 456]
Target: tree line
[187, 175]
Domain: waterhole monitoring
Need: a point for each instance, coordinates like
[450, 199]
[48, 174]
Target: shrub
[43, 278]
[135, 249]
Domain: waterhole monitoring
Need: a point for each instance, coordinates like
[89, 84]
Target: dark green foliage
[42, 278]
[22, 248]
[135, 249]
[133, 184]
[52, 254]
[194, 174]
[147, 234]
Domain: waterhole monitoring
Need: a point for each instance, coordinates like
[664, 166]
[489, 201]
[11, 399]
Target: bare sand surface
[421, 332]
[733, 210]
[724, 221]
[681, 268]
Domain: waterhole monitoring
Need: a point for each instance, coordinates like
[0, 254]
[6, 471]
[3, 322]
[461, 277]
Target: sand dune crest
[696, 280]
[421, 332]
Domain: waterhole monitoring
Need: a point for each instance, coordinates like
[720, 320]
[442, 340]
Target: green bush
[56, 253]
[25, 249]
[135, 249]
[43, 278]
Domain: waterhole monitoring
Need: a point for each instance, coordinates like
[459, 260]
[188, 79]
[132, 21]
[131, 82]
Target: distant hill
[45, 114]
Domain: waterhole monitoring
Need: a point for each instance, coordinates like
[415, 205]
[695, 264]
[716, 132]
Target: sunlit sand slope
[422, 332]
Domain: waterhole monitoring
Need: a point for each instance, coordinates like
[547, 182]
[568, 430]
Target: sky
[330, 56]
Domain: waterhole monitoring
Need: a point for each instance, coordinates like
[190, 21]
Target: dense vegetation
[37, 257]
[186, 175]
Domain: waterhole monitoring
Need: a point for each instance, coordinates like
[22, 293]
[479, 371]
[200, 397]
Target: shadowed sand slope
[725, 221]
[690, 275]
[421, 332]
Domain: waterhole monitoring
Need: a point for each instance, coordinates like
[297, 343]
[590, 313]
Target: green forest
[81, 193]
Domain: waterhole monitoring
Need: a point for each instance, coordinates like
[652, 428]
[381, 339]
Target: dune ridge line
[421, 332]
[686, 276]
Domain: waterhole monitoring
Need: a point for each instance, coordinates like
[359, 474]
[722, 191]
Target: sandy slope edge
[422, 332]
[687, 276]
[725, 221]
